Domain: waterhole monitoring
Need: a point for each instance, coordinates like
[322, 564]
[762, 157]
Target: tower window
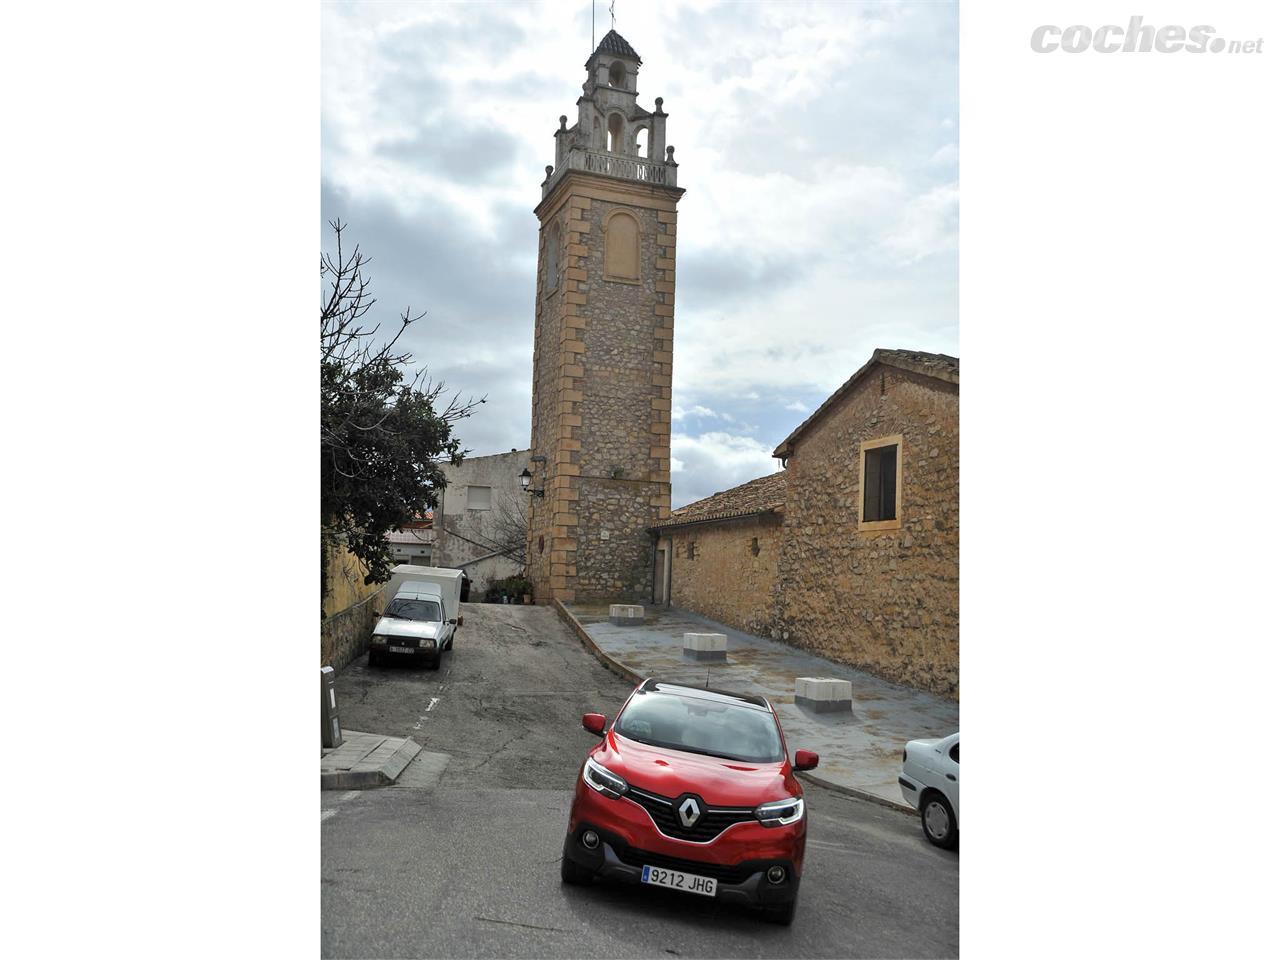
[622, 248]
[642, 143]
[615, 133]
[618, 75]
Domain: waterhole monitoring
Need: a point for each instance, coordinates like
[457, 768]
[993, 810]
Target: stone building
[719, 555]
[480, 524]
[604, 319]
[855, 555]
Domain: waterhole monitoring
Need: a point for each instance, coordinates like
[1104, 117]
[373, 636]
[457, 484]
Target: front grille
[715, 820]
[721, 872]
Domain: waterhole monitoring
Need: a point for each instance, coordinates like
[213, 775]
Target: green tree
[384, 431]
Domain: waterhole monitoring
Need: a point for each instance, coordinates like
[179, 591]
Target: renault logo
[689, 811]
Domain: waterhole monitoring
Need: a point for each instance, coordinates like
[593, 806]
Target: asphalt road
[464, 861]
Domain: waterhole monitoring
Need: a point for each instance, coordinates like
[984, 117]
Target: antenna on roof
[707, 685]
[593, 25]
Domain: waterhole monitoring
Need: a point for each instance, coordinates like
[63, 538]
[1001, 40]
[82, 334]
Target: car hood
[422, 629]
[720, 782]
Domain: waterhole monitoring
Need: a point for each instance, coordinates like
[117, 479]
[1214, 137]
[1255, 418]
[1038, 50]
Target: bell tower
[603, 324]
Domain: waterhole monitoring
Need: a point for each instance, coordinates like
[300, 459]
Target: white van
[422, 616]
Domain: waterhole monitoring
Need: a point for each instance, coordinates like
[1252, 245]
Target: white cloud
[710, 462]
[929, 225]
[817, 146]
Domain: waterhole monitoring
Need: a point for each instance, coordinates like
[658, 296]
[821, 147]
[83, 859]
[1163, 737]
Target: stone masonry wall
[887, 602]
[727, 580]
[602, 396]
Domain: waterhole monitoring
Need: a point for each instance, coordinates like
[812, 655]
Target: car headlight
[378, 639]
[603, 780]
[779, 813]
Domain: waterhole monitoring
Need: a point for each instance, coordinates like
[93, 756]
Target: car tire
[938, 821]
[783, 914]
[374, 658]
[574, 874]
[434, 663]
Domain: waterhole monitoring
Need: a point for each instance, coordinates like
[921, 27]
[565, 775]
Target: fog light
[590, 839]
[776, 874]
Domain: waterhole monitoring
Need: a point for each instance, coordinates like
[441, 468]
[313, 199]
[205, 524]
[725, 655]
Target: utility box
[330, 728]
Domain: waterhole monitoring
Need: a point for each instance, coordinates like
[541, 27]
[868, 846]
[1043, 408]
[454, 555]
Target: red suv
[691, 789]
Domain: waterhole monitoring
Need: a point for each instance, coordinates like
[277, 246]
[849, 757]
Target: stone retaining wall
[345, 635]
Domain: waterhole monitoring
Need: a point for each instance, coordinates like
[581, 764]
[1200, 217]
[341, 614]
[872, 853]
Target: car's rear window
[701, 726]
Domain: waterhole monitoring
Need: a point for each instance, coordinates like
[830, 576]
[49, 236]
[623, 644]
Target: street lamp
[525, 478]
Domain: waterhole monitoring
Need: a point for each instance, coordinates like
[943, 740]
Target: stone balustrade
[615, 165]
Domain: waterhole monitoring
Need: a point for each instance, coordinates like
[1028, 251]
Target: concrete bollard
[706, 646]
[824, 694]
[626, 614]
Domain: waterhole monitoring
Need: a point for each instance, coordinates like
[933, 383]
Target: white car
[930, 782]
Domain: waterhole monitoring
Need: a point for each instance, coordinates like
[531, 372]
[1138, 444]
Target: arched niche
[622, 247]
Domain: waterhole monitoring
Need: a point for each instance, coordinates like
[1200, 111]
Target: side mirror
[805, 760]
[454, 622]
[594, 723]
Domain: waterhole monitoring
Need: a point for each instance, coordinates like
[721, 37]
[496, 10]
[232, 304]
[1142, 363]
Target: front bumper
[419, 652]
[737, 858]
[744, 883]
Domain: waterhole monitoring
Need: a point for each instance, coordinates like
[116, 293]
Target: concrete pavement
[861, 750]
[365, 760]
[467, 864]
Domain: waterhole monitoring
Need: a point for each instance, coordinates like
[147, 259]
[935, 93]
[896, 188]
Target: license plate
[401, 649]
[688, 882]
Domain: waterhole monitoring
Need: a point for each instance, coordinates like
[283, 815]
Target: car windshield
[711, 727]
[413, 610]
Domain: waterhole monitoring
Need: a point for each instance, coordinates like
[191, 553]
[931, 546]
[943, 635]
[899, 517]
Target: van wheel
[374, 658]
[938, 822]
[434, 663]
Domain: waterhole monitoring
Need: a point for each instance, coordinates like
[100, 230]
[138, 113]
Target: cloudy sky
[817, 144]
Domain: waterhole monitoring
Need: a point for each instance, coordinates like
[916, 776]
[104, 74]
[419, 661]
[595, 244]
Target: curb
[382, 776]
[628, 674]
[615, 666]
[856, 793]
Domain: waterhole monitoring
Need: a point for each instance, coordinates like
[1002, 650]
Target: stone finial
[657, 102]
[549, 170]
[563, 121]
[671, 154]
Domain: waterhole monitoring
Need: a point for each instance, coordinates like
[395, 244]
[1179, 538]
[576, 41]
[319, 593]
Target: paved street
[460, 858]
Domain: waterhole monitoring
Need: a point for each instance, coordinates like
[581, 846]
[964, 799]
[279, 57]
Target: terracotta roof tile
[617, 45]
[937, 365]
[755, 496]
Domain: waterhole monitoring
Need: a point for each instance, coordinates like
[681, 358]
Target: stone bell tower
[603, 322]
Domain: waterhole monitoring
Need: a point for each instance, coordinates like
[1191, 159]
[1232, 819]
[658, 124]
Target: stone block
[824, 694]
[706, 646]
[626, 614]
